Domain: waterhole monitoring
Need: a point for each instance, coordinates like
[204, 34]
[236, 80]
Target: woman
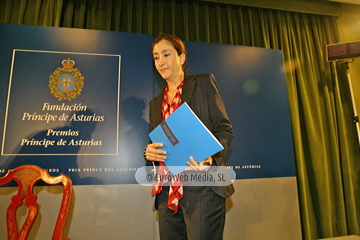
[196, 212]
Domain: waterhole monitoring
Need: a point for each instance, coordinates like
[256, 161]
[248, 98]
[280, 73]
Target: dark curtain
[325, 138]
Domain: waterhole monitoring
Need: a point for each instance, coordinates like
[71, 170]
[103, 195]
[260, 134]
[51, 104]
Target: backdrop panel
[71, 125]
[251, 82]
[253, 86]
[99, 144]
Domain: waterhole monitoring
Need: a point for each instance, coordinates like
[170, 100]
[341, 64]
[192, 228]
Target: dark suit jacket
[201, 93]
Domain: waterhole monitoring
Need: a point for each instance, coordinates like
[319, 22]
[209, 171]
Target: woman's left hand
[204, 165]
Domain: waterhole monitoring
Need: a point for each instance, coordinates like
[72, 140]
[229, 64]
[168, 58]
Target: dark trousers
[201, 215]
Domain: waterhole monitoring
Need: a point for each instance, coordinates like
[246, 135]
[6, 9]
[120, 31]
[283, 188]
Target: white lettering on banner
[64, 107]
[37, 117]
[52, 132]
[34, 142]
[91, 142]
[84, 118]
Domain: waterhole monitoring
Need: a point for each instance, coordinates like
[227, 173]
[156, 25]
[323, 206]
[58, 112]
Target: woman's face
[167, 61]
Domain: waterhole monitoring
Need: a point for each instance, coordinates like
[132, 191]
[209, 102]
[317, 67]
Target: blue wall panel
[251, 83]
[253, 87]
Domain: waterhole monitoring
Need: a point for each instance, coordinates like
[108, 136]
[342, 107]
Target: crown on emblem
[67, 63]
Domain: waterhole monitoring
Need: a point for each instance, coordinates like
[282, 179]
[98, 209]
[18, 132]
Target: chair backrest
[26, 176]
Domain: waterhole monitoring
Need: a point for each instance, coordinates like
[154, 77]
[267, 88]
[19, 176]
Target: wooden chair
[26, 176]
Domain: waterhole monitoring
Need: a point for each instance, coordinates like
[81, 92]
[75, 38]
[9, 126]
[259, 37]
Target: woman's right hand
[153, 154]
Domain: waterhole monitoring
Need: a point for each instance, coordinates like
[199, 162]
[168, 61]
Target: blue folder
[184, 135]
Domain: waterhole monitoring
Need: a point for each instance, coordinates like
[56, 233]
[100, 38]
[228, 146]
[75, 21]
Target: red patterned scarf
[176, 187]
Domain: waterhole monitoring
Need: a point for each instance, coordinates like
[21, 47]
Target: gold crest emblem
[66, 83]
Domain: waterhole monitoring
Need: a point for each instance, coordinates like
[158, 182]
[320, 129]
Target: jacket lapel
[157, 109]
[188, 88]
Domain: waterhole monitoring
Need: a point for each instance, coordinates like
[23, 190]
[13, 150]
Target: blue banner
[59, 103]
[75, 101]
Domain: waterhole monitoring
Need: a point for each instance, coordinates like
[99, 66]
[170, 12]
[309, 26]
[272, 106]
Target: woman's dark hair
[175, 42]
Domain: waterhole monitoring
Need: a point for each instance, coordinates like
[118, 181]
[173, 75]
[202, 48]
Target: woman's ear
[182, 58]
